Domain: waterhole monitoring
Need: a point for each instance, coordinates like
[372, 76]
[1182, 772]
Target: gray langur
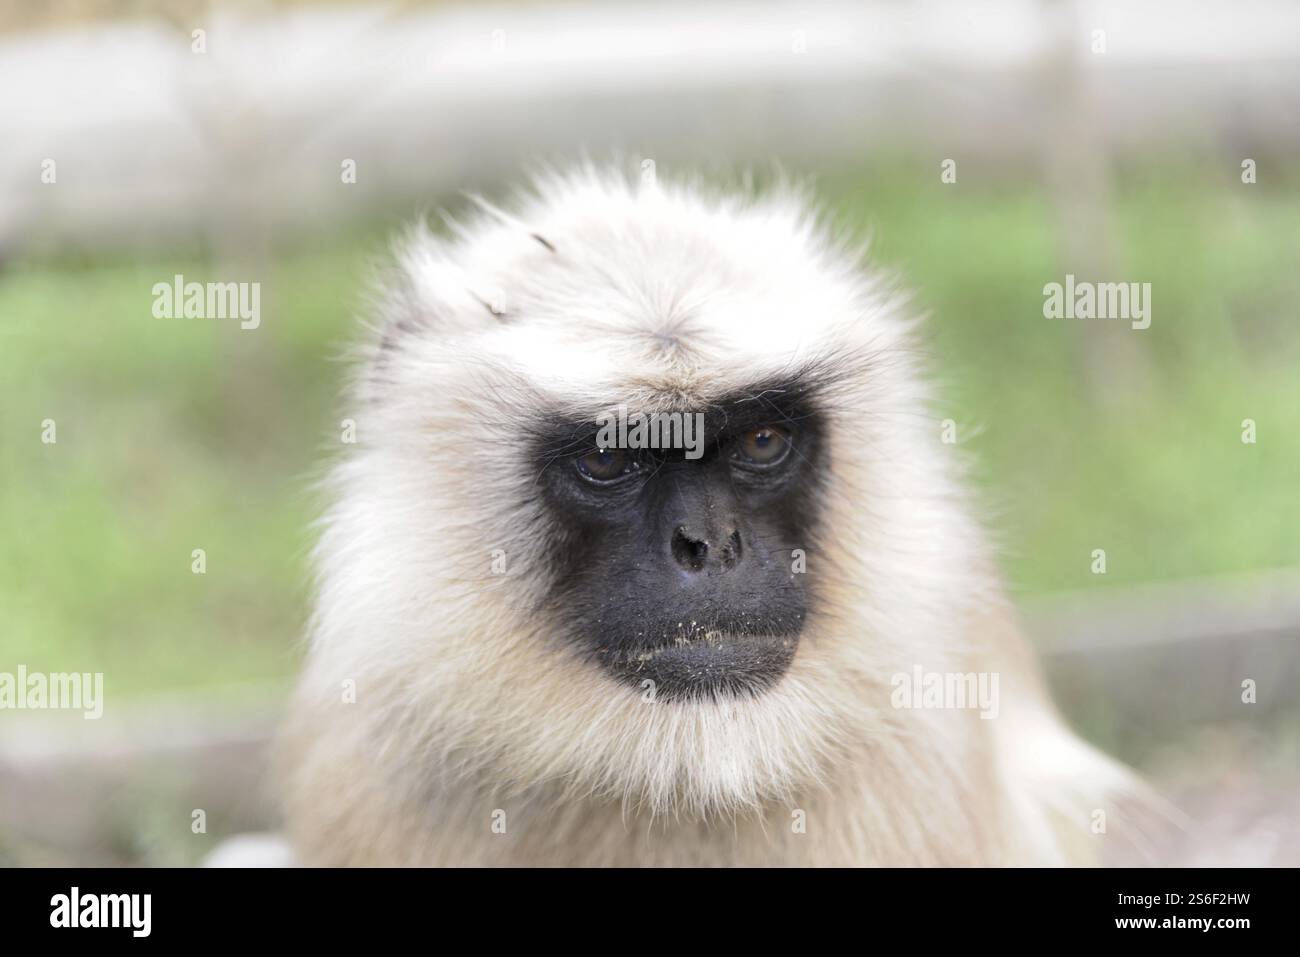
[529, 648]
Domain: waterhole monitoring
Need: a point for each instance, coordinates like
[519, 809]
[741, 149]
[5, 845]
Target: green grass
[172, 435]
[175, 435]
[1143, 459]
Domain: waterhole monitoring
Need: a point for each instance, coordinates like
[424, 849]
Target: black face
[681, 570]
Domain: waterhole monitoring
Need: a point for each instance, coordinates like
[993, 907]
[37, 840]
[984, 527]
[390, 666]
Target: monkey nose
[694, 552]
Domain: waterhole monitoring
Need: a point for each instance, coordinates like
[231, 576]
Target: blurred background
[1154, 142]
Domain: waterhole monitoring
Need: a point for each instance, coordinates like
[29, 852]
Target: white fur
[466, 703]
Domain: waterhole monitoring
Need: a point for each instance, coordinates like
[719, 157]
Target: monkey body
[530, 650]
[930, 793]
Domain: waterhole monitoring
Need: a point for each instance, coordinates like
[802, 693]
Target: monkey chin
[705, 665]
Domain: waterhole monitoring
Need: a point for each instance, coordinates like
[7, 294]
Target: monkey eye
[764, 447]
[606, 465]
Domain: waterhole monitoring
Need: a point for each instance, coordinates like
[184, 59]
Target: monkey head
[694, 624]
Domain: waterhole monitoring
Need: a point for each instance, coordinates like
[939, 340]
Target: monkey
[527, 649]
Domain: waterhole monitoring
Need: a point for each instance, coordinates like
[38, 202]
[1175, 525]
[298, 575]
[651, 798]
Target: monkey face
[684, 576]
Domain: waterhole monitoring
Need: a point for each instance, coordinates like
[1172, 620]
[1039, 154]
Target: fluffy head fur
[595, 291]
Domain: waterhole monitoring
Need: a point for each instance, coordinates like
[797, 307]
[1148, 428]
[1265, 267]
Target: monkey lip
[705, 663]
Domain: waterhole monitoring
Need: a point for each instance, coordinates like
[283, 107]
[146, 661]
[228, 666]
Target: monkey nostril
[694, 553]
[730, 556]
[689, 551]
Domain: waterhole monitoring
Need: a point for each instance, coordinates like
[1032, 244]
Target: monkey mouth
[700, 662]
